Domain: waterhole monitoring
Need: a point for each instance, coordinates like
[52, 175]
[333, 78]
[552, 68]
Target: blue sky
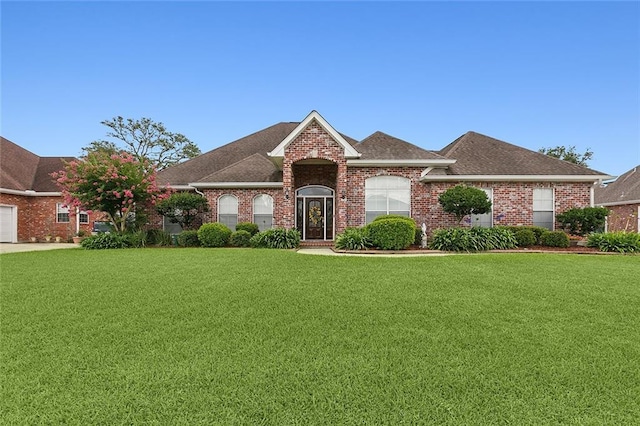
[536, 74]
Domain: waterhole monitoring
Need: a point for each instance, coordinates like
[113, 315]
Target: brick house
[622, 198]
[31, 205]
[309, 176]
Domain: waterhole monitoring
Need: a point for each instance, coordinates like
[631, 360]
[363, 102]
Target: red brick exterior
[37, 217]
[623, 218]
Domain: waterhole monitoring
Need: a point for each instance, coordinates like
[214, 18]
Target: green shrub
[621, 242]
[188, 239]
[391, 233]
[525, 237]
[537, 230]
[136, 239]
[251, 228]
[417, 240]
[240, 238]
[158, 237]
[583, 221]
[214, 235]
[394, 216]
[554, 239]
[278, 238]
[473, 239]
[352, 239]
[105, 241]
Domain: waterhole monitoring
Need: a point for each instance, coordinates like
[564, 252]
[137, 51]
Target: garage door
[7, 224]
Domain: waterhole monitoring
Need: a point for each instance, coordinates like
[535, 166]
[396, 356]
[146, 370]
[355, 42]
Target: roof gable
[477, 154]
[624, 190]
[381, 146]
[349, 150]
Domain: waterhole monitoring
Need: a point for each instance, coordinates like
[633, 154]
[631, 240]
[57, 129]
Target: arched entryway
[315, 212]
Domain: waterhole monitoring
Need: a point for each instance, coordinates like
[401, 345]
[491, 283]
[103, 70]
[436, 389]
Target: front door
[315, 218]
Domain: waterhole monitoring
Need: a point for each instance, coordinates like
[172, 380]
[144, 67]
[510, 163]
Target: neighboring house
[622, 198]
[309, 176]
[30, 202]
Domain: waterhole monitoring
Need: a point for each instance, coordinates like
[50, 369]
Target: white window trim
[253, 207]
[218, 207]
[387, 207]
[553, 207]
[62, 210]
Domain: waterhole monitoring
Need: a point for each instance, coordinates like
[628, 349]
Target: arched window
[387, 195]
[228, 211]
[263, 211]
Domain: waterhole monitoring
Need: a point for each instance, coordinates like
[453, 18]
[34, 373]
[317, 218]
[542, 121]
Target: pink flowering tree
[114, 183]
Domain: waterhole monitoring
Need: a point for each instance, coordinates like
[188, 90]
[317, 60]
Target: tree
[116, 184]
[462, 200]
[183, 208]
[568, 154]
[145, 140]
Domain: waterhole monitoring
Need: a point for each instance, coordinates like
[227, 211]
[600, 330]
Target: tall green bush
[188, 239]
[554, 239]
[583, 221]
[240, 238]
[391, 233]
[462, 200]
[214, 235]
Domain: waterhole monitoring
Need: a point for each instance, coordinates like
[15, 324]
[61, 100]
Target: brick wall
[37, 217]
[623, 218]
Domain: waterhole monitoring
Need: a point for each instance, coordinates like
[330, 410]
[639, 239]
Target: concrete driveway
[20, 247]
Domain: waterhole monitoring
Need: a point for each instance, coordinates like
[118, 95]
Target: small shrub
[352, 239]
[136, 239]
[188, 239]
[251, 228]
[525, 237]
[621, 242]
[473, 239]
[214, 235]
[394, 216]
[537, 231]
[240, 238]
[158, 237]
[391, 233]
[278, 238]
[417, 240]
[554, 239]
[105, 241]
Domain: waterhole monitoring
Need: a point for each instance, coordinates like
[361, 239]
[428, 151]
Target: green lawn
[233, 336]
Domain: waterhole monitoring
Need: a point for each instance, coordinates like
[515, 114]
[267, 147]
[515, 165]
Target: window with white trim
[263, 211]
[228, 211]
[62, 213]
[387, 195]
[484, 220]
[543, 207]
[83, 217]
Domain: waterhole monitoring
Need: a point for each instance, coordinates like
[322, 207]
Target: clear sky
[536, 74]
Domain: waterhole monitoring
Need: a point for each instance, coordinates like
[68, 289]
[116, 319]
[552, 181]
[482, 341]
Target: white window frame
[484, 220]
[382, 186]
[62, 210]
[83, 217]
[224, 214]
[262, 201]
[538, 207]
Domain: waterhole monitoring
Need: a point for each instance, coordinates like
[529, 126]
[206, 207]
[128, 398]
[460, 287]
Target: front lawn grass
[235, 336]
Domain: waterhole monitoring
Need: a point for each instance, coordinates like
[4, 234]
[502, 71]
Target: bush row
[473, 239]
[388, 232]
[621, 242]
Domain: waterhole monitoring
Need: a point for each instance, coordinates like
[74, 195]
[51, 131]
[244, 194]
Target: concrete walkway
[326, 251]
[20, 247]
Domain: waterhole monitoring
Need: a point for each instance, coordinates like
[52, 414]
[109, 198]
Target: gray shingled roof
[477, 154]
[23, 170]
[625, 189]
[255, 168]
[380, 146]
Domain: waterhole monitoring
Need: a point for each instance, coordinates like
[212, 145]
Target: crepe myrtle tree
[114, 183]
[462, 200]
[183, 208]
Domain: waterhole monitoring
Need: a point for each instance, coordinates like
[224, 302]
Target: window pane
[370, 215]
[376, 200]
[264, 221]
[484, 220]
[399, 200]
[315, 190]
[228, 204]
[543, 219]
[84, 217]
[543, 199]
[62, 213]
[231, 220]
[171, 228]
[387, 195]
[263, 204]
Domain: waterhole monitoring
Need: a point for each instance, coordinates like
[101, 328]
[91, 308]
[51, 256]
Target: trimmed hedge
[391, 233]
[352, 239]
[525, 237]
[537, 230]
[473, 239]
[621, 242]
[104, 241]
[251, 228]
[554, 239]
[240, 238]
[583, 221]
[188, 239]
[214, 235]
[277, 238]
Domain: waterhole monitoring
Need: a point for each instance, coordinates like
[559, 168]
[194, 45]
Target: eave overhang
[618, 203]
[515, 178]
[437, 163]
[29, 193]
[239, 185]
